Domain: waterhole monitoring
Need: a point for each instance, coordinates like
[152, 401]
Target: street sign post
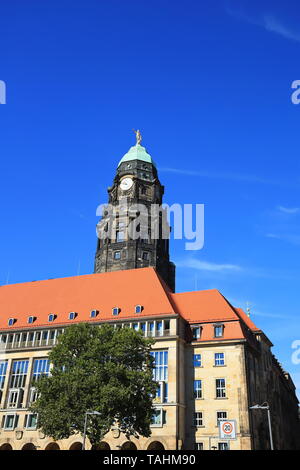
[227, 429]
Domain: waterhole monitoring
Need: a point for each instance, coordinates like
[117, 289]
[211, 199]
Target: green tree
[97, 369]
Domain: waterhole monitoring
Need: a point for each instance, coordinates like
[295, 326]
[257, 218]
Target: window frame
[225, 444]
[117, 258]
[221, 419]
[196, 390]
[215, 360]
[195, 360]
[200, 419]
[95, 312]
[16, 404]
[26, 419]
[15, 421]
[196, 446]
[222, 389]
[197, 328]
[163, 419]
[217, 326]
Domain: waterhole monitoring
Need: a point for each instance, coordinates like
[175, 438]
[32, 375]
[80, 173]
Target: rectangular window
[33, 395]
[19, 373]
[223, 446]
[197, 388]
[117, 255]
[162, 392]
[10, 421]
[219, 331]
[3, 341]
[45, 333]
[220, 388]
[199, 446]
[3, 369]
[145, 255]
[221, 415]
[198, 419]
[151, 328]
[197, 360]
[166, 327]
[196, 332]
[14, 398]
[158, 417]
[219, 359]
[159, 328]
[30, 421]
[160, 371]
[41, 367]
[120, 236]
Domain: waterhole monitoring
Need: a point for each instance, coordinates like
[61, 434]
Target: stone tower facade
[133, 231]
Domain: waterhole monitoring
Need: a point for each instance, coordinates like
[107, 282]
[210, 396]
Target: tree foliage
[97, 369]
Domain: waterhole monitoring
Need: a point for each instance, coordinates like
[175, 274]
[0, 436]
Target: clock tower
[133, 231]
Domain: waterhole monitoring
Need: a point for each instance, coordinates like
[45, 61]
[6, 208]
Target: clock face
[126, 183]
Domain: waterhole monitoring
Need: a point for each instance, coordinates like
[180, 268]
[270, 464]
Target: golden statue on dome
[138, 136]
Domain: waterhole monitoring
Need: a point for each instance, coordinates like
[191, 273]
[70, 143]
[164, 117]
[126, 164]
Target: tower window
[138, 309]
[11, 321]
[72, 315]
[145, 255]
[94, 313]
[51, 317]
[117, 255]
[120, 236]
[115, 311]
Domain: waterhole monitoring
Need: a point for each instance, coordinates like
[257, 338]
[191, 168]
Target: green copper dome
[137, 152]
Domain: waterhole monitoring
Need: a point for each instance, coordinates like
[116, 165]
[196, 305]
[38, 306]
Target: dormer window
[11, 321]
[115, 311]
[30, 319]
[196, 330]
[93, 313]
[51, 317]
[219, 330]
[72, 315]
[138, 309]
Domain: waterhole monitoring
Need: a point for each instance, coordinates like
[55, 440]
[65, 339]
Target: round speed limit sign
[227, 429]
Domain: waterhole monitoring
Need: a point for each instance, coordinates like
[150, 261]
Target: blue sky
[209, 85]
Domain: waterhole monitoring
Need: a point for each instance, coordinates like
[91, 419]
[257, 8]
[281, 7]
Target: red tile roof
[81, 294]
[122, 289]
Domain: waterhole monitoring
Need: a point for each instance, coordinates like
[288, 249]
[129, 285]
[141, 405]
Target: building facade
[211, 361]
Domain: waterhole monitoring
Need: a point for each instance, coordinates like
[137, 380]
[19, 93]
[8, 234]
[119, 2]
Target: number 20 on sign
[227, 429]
